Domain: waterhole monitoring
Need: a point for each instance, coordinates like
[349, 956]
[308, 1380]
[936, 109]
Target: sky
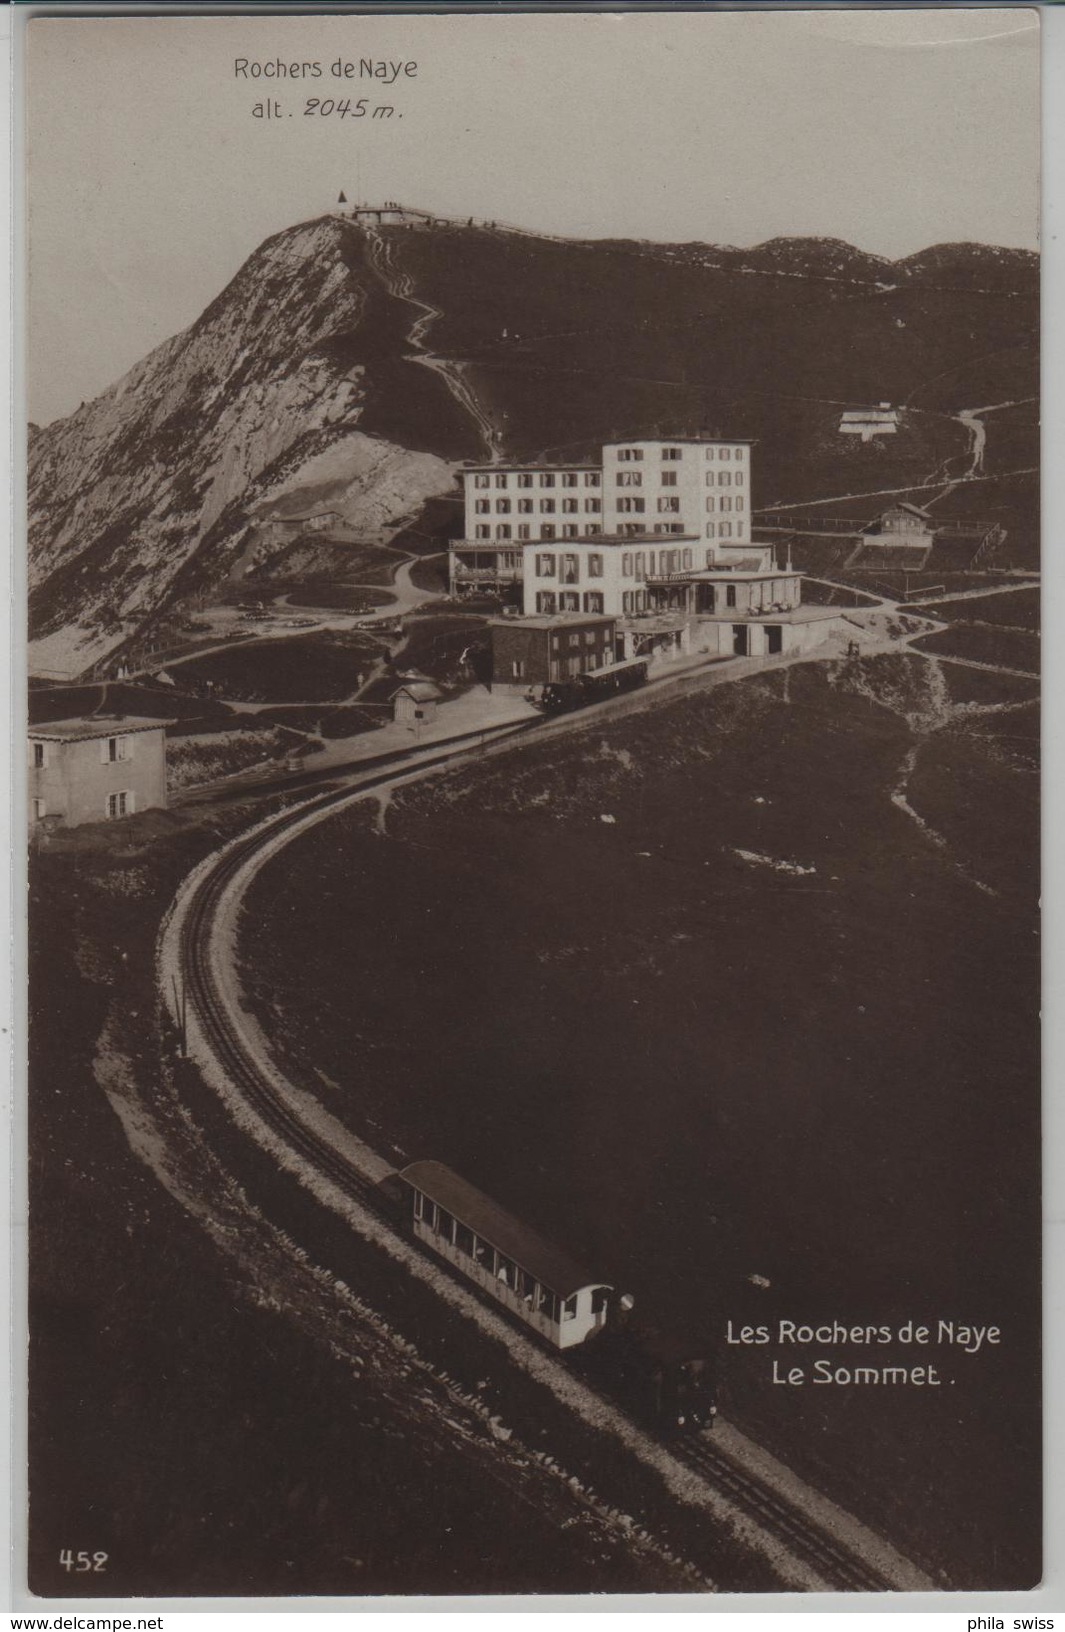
[150, 180]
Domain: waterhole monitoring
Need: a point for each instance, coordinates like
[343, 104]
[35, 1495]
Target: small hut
[414, 703]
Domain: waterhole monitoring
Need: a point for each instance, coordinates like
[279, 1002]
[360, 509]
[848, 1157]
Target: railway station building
[96, 769]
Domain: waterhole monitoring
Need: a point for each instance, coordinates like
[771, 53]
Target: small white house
[96, 769]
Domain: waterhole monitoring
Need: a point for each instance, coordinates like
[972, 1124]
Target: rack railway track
[838, 1566]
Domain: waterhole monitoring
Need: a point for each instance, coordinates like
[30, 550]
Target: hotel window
[593, 602]
[668, 505]
[569, 478]
[629, 478]
[710, 453]
[503, 530]
[545, 601]
[710, 532]
[480, 481]
[726, 453]
[591, 478]
[525, 480]
[482, 531]
[592, 532]
[547, 507]
[570, 531]
[502, 507]
[709, 478]
[726, 530]
[547, 478]
[730, 595]
[571, 569]
[675, 527]
[726, 503]
[631, 507]
[626, 566]
[688, 560]
[592, 507]
[40, 758]
[569, 601]
[738, 478]
[569, 507]
[501, 481]
[627, 456]
[626, 600]
[595, 566]
[711, 506]
[525, 507]
[641, 564]
[671, 453]
[547, 529]
[738, 453]
[482, 507]
[523, 529]
[631, 529]
[724, 478]
[669, 478]
[739, 504]
[710, 560]
[545, 566]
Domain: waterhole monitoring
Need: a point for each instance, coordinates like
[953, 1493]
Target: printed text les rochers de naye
[958, 1336]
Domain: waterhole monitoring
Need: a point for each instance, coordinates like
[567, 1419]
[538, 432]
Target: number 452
[81, 1563]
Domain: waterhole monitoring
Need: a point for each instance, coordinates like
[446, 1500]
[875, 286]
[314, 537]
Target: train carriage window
[484, 1253]
[464, 1239]
[507, 1272]
[547, 1303]
[422, 1207]
[569, 1308]
[526, 1285]
[599, 1297]
[445, 1225]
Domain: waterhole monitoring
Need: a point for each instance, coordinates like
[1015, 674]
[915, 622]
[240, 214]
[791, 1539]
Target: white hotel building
[659, 488]
[658, 536]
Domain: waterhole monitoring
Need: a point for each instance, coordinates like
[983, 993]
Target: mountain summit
[351, 367]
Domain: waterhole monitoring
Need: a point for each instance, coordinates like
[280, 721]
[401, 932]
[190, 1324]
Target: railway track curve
[827, 1560]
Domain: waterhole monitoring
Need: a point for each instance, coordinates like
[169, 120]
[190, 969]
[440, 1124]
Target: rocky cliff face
[149, 489]
[351, 369]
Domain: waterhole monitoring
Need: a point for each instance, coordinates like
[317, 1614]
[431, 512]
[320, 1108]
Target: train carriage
[536, 1281]
[593, 686]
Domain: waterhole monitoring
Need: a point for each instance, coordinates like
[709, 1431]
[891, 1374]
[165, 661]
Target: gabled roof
[551, 1266]
[914, 510]
[422, 691]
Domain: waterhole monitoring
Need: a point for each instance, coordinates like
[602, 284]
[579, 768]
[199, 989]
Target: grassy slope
[698, 1068]
[180, 1419]
[620, 338]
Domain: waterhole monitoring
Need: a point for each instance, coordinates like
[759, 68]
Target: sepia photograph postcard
[532, 565]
